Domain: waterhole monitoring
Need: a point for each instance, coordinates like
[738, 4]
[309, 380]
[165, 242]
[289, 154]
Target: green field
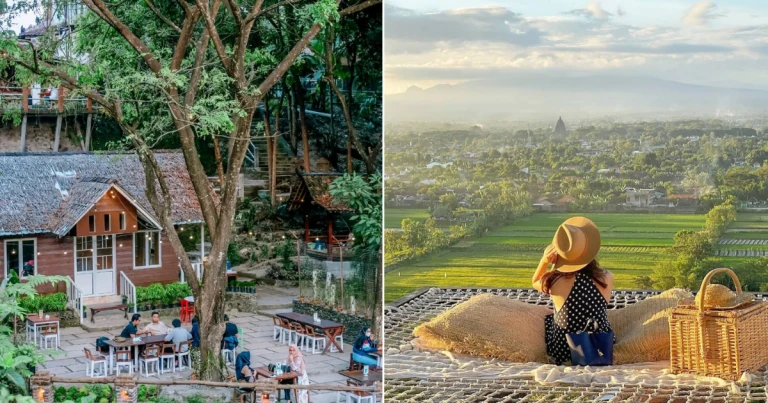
[633, 245]
[394, 216]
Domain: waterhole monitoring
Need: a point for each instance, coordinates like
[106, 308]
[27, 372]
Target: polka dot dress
[582, 304]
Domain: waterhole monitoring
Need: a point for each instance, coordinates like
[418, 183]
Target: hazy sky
[721, 43]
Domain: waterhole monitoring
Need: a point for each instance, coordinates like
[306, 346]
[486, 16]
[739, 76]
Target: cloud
[593, 10]
[411, 32]
[701, 13]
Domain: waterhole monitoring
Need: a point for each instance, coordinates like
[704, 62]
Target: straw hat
[720, 296]
[577, 242]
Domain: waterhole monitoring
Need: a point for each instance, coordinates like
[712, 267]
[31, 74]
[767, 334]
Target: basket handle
[708, 278]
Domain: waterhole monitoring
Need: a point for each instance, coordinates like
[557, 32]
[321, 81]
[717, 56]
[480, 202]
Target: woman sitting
[243, 370]
[579, 288]
[363, 345]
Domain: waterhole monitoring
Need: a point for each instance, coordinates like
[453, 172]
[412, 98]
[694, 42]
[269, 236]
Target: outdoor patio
[256, 338]
[415, 376]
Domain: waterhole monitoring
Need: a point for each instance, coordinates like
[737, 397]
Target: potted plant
[124, 299]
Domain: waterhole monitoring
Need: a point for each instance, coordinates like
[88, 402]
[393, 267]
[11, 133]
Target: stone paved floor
[257, 338]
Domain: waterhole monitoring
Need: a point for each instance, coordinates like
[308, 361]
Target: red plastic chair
[186, 311]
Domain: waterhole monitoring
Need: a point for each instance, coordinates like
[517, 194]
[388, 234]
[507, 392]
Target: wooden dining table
[134, 345]
[35, 321]
[362, 380]
[264, 372]
[330, 328]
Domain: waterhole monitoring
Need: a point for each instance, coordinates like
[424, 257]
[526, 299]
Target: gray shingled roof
[44, 192]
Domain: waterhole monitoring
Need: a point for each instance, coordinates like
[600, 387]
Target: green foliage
[232, 254]
[48, 302]
[693, 250]
[7, 396]
[364, 197]
[157, 293]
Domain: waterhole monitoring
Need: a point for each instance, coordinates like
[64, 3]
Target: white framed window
[94, 252]
[21, 257]
[147, 249]
[92, 223]
[107, 223]
[122, 221]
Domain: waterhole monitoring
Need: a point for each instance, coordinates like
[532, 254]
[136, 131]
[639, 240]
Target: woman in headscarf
[362, 346]
[296, 362]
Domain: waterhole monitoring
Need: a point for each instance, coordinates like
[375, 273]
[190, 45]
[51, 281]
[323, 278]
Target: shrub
[48, 302]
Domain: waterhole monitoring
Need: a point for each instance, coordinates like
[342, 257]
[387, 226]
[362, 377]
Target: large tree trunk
[378, 309]
[304, 136]
[270, 165]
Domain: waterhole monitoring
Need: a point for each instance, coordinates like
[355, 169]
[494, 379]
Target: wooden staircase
[256, 158]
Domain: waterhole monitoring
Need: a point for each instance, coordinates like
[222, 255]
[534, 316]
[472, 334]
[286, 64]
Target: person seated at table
[243, 370]
[195, 332]
[131, 330]
[178, 334]
[230, 340]
[363, 345]
[156, 327]
[296, 362]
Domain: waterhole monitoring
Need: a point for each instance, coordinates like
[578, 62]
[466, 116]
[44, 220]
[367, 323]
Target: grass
[506, 258]
[394, 216]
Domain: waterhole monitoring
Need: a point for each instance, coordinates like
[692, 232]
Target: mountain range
[525, 97]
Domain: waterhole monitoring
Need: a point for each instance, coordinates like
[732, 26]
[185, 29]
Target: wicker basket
[720, 342]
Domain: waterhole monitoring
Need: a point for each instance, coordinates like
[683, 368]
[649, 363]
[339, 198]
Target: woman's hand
[550, 255]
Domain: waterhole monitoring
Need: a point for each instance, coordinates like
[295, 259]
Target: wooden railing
[128, 289]
[197, 267]
[75, 298]
[42, 386]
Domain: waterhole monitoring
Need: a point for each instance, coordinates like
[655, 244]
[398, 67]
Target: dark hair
[135, 317]
[195, 320]
[592, 269]
[226, 318]
[364, 329]
[155, 313]
[176, 323]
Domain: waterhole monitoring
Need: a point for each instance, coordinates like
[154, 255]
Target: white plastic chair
[287, 334]
[49, 333]
[312, 340]
[354, 397]
[123, 359]
[297, 334]
[95, 361]
[150, 358]
[181, 354]
[228, 356]
[168, 356]
[277, 328]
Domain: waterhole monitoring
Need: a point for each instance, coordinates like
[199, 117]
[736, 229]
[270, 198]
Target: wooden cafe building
[86, 216]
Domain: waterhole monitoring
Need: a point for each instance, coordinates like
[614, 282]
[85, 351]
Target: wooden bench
[122, 307]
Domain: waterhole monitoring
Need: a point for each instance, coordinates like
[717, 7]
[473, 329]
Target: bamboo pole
[240, 385]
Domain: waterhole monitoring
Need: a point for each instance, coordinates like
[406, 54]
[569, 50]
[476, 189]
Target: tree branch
[217, 43]
[103, 12]
[257, 12]
[288, 60]
[162, 17]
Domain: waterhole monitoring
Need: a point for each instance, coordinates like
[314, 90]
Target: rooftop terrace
[416, 376]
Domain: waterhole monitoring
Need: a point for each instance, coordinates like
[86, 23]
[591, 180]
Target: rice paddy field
[633, 244]
[394, 216]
